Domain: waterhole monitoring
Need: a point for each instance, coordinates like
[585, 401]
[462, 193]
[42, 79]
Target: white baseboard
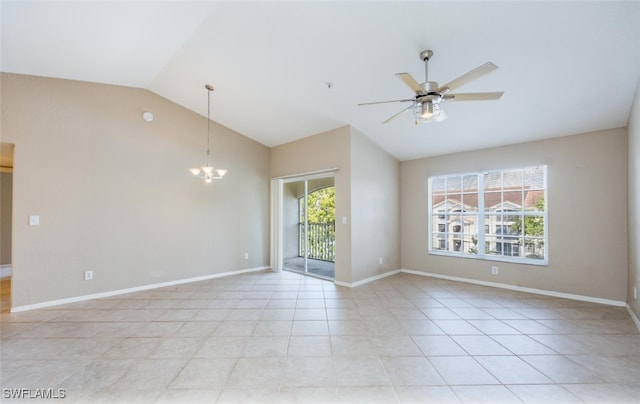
[131, 290]
[339, 283]
[521, 288]
[366, 280]
[633, 316]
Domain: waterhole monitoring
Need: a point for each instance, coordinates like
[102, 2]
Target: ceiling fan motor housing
[431, 93]
[430, 86]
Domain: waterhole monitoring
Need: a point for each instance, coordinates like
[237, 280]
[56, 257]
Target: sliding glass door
[308, 226]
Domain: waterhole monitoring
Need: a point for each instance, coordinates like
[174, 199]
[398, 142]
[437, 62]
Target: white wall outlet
[246, 255]
[635, 293]
[380, 260]
[344, 220]
[495, 271]
[88, 275]
[34, 220]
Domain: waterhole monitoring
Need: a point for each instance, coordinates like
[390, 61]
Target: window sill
[513, 260]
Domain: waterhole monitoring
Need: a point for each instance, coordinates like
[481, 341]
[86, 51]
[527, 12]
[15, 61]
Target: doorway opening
[308, 226]
[6, 213]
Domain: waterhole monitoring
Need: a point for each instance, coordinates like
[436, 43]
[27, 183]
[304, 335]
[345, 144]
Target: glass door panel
[309, 227]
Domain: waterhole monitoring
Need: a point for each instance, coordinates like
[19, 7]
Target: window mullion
[481, 248]
[430, 221]
[446, 214]
[545, 215]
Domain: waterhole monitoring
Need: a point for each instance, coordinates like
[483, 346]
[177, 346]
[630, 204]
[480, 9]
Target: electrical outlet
[380, 260]
[495, 270]
[88, 275]
[34, 220]
[635, 293]
[246, 255]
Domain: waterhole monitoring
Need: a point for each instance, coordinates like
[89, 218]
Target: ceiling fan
[428, 96]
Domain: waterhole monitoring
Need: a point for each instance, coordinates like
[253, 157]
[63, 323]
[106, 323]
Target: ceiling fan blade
[465, 78]
[414, 85]
[398, 114]
[384, 102]
[473, 96]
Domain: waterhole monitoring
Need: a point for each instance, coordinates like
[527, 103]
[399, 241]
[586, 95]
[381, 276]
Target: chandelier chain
[209, 90]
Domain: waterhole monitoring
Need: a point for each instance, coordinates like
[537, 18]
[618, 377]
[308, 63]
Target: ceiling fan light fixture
[440, 117]
[429, 111]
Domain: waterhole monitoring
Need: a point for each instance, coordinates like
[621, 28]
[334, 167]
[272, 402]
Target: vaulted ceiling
[287, 70]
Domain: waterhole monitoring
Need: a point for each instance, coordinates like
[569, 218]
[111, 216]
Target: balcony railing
[321, 241]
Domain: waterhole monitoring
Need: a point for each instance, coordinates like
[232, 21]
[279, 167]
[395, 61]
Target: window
[497, 215]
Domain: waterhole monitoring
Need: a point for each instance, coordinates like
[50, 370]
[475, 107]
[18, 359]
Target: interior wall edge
[635, 318]
[368, 280]
[633, 205]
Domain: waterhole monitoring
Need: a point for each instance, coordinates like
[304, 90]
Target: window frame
[481, 213]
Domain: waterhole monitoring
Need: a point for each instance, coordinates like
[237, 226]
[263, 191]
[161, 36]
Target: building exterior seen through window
[498, 215]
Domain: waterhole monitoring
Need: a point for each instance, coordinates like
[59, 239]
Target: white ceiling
[565, 67]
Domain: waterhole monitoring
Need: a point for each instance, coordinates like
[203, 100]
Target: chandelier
[207, 172]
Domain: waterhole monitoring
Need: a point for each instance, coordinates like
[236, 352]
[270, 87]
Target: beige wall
[114, 194]
[375, 209]
[290, 219]
[587, 184]
[324, 151]
[634, 204]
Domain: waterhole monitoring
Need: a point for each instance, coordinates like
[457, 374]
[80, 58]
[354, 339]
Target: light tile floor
[283, 337]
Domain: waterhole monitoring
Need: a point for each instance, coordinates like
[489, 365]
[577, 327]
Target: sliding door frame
[277, 213]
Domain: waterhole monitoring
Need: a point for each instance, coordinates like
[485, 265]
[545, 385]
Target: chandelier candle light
[207, 172]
